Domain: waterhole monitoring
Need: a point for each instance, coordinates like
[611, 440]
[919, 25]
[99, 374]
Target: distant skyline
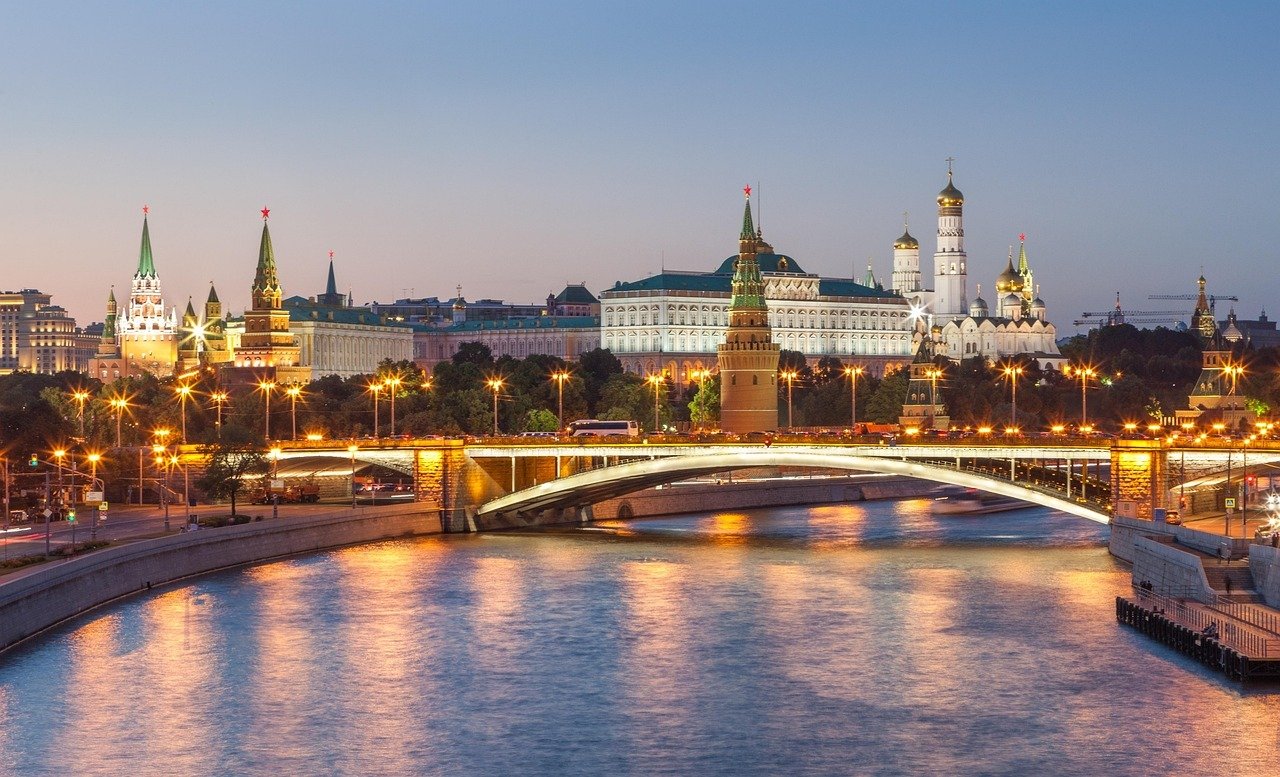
[513, 148]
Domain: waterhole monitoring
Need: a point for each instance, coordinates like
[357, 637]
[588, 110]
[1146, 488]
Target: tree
[885, 405]
[704, 409]
[540, 420]
[476, 353]
[230, 465]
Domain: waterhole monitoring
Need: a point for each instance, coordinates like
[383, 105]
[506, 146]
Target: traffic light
[1251, 480]
[35, 460]
[71, 516]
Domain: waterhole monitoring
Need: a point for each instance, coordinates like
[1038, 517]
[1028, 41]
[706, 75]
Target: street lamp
[352, 448]
[219, 399]
[496, 385]
[560, 376]
[375, 389]
[933, 373]
[266, 387]
[789, 376]
[119, 403]
[657, 381]
[393, 386]
[293, 392]
[1012, 373]
[853, 373]
[184, 393]
[80, 395]
[93, 458]
[1083, 373]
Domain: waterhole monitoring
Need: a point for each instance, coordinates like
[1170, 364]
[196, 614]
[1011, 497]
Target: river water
[846, 639]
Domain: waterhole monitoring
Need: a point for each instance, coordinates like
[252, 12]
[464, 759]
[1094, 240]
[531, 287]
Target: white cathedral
[1017, 326]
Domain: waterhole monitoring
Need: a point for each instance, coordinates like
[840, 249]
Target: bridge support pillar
[1139, 478]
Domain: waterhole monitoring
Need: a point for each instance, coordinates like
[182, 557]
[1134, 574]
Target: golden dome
[1009, 280]
[906, 241]
[950, 195]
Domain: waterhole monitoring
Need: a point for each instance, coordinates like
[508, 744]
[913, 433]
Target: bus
[594, 428]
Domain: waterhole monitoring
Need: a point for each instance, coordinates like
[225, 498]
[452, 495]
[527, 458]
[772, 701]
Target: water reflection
[862, 638]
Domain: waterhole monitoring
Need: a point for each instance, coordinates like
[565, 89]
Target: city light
[495, 384]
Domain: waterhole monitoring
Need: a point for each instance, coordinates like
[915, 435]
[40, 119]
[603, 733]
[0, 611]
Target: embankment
[33, 601]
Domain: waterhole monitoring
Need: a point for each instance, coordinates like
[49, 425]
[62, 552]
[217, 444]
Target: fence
[1188, 614]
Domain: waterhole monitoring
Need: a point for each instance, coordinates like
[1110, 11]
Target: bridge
[495, 482]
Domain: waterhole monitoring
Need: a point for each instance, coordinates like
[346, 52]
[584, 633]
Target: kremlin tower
[748, 358]
[267, 346]
[147, 333]
[949, 263]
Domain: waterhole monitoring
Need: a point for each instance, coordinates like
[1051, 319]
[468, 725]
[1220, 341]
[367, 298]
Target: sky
[512, 148]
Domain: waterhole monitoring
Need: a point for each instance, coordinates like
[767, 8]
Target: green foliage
[540, 420]
[885, 405]
[704, 409]
[230, 466]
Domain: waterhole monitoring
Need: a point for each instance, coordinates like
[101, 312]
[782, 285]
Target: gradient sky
[514, 147]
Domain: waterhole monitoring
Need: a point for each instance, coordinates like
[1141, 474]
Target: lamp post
[119, 403]
[789, 376]
[184, 393]
[375, 389]
[293, 392]
[93, 458]
[853, 373]
[1012, 372]
[496, 385]
[560, 376]
[80, 395]
[933, 374]
[58, 456]
[1084, 373]
[219, 399]
[352, 448]
[656, 380]
[266, 387]
[393, 387]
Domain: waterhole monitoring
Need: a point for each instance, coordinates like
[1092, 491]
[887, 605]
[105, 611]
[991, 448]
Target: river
[847, 639]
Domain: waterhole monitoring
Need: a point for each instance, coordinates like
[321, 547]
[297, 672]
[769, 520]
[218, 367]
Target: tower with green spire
[107, 346]
[147, 331]
[748, 357]
[267, 345]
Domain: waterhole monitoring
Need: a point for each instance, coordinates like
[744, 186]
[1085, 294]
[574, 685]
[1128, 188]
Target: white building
[567, 337]
[674, 321]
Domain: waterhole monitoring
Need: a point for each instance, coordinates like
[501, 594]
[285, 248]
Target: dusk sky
[514, 147]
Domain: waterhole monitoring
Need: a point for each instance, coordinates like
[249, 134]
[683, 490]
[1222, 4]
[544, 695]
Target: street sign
[93, 496]
[1231, 501]
[48, 513]
[102, 507]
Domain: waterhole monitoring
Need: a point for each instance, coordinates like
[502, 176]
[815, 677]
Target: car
[18, 516]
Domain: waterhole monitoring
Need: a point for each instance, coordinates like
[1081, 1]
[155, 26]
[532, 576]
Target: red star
[747, 190]
[1022, 237]
[330, 256]
[146, 209]
[265, 212]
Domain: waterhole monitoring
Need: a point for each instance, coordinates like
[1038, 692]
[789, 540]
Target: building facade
[674, 322]
[38, 336]
[566, 337]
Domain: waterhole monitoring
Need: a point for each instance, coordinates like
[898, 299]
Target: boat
[957, 500]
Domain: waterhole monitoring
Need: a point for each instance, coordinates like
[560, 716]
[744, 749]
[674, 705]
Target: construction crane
[1213, 298]
[1119, 315]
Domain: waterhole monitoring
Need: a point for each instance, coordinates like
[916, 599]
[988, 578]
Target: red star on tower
[146, 209]
[747, 190]
[265, 212]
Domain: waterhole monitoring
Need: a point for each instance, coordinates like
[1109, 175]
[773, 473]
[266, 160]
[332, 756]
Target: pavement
[134, 522]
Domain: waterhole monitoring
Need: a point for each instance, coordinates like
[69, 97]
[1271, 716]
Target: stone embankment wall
[33, 601]
[746, 494]
[1126, 531]
[1264, 564]
[1169, 570]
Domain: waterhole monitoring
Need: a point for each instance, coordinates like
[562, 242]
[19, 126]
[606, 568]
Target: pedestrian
[1228, 582]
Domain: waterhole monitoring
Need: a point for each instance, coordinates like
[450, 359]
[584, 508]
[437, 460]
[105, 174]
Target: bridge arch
[596, 485]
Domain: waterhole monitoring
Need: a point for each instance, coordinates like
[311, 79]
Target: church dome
[906, 241]
[950, 195]
[978, 308]
[1037, 304]
[1009, 280]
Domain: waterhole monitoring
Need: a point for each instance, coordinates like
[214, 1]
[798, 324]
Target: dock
[1239, 639]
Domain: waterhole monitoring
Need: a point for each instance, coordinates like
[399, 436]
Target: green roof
[303, 309]
[539, 322]
[711, 282]
[146, 264]
[769, 263]
[577, 294]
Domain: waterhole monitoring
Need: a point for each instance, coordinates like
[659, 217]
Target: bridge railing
[1185, 611]
[1045, 480]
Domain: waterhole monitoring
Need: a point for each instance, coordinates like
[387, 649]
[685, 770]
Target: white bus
[594, 428]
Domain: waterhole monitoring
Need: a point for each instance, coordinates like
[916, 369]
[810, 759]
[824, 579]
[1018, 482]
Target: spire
[109, 324]
[869, 280]
[748, 228]
[266, 282]
[146, 264]
[111, 301]
[213, 295]
[331, 288]
[190, 311]
[1022, 254]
